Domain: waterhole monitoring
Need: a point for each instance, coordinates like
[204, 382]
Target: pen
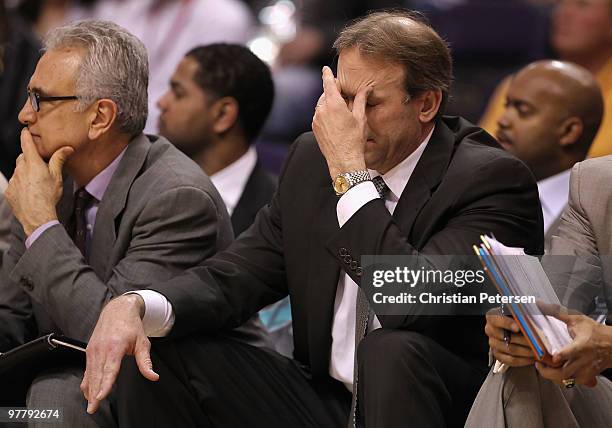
[500, 367]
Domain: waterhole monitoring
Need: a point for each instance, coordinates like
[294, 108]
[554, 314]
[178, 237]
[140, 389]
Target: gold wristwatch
[345, 181]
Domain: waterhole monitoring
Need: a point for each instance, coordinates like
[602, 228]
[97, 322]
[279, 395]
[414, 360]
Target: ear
[101, 118]
[431, 104]
[224, 114]
[570, 131]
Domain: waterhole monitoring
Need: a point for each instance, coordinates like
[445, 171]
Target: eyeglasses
[36, 99]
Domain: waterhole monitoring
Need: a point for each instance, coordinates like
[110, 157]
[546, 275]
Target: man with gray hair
[384, 173]
[100, 209]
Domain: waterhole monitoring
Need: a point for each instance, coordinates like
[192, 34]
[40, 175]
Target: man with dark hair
[384, 173]
[219, 98]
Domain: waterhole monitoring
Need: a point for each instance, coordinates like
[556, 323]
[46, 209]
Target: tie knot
[381, 186]
[81, 199]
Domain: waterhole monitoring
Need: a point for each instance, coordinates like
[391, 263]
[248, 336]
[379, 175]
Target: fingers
[85, 385]
[320, 101]
[511, 360]
[498, 333]
[568, 352]
[56, 163]
[550, 373]
[28, 148]
[359, 106]
[330, 87]
[90, 383]
[558, 311]
[502, 322]
[512, 349]
[143, 359]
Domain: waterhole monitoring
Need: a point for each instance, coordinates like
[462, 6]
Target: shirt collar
[554, 192]
[397, 177]
[97, 186]
[231, 180]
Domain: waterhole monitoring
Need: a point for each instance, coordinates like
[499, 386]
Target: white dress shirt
[554, 195]
[342, 358]
[231, 180]
[159, 318]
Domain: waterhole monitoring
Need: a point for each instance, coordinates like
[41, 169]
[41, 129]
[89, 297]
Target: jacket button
[343, 252]
[27, 283]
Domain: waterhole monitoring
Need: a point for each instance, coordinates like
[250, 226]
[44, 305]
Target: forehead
[57, 70]
[186, 69]
[539, 88]
[356, 70]
[185, 73]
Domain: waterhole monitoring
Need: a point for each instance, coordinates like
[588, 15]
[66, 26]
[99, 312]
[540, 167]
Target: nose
[27, 115]
[162, 102]
[504, 121]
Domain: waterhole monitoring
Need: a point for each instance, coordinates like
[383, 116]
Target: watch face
[341, 185]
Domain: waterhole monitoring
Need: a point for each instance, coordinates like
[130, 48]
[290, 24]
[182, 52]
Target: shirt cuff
[354, 199]
[39, 231]
[158, 317]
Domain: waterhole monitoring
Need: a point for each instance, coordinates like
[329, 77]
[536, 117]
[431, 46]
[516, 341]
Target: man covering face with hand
[383, 173]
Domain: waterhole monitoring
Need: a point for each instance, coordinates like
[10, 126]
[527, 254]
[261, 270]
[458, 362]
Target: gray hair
[115, 67]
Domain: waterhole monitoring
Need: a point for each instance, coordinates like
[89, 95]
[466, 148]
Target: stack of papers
[515, 273]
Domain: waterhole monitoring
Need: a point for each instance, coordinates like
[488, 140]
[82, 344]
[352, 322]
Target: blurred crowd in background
[490, 39]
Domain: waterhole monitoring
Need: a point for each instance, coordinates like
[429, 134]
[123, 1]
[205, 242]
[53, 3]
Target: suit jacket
[160, 215]
[463, 185]
[258, 192]
[584, 237]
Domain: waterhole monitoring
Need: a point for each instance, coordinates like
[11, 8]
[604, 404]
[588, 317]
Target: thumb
[56, 163]
[142, 354]
[557, 311]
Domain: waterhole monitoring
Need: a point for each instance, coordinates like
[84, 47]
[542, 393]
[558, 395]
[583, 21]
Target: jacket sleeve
[176, 229]
[234, 284]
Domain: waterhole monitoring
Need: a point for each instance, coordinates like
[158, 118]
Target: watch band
[345, 181]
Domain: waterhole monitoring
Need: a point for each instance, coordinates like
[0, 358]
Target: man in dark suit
[444, 182]
[114, 223]
[219, 98]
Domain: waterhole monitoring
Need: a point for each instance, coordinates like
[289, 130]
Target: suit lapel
[251, 200]
[113, 203]
[425, 178]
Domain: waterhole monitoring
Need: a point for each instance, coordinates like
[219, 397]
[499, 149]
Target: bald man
[552, 114]
[581, 32]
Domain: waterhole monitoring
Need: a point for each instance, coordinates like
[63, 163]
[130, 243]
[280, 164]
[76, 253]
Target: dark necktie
[381, 186]
[363, 313]
[82, 198]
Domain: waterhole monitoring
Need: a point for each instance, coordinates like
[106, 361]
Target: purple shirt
[96, 188]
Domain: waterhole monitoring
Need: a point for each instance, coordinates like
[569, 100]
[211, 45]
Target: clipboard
[20, 365]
